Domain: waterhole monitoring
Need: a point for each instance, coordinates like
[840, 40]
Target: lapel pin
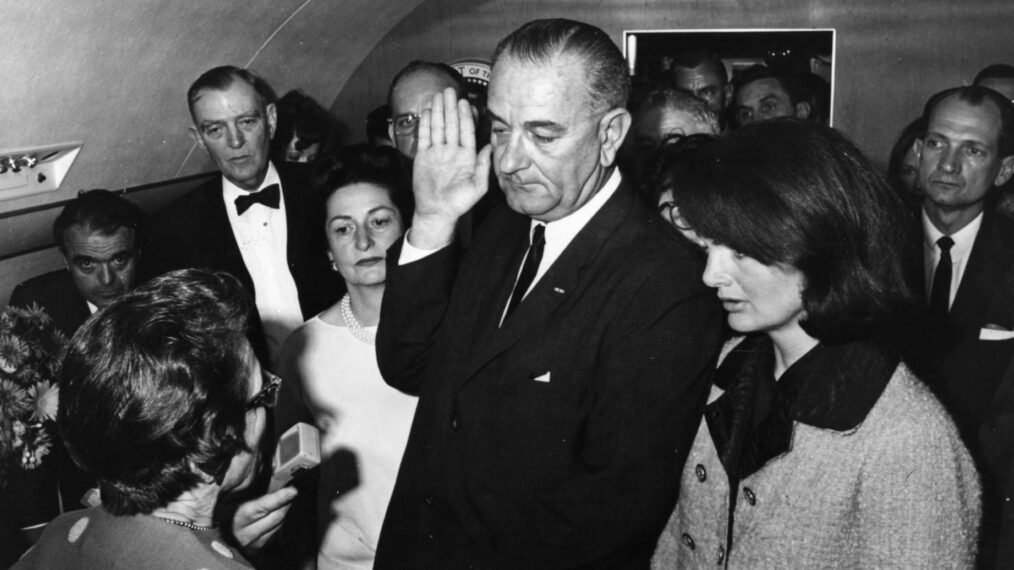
[558, 290]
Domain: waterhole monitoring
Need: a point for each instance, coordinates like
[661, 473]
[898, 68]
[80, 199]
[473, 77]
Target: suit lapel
[552, 289]
[294, 218]
[980, 277]
[223, 243]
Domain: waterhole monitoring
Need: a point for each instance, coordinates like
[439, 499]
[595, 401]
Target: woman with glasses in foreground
[818, 447]
[163, 402]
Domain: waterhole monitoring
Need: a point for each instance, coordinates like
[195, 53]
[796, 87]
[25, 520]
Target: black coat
[56, 293]
[557, 439]
[36, 495]
[948, 354]
[194, 231]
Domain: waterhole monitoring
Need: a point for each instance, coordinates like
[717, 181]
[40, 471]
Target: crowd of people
[705, 331]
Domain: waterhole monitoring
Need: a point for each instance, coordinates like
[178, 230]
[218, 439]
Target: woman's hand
[448, 177]
[257, 520]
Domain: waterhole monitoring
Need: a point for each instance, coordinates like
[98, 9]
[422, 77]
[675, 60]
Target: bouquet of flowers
[30, 353]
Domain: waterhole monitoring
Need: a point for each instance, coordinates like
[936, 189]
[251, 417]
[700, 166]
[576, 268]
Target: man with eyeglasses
[412, 90]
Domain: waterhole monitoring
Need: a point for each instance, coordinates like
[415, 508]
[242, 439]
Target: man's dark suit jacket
[557, 439]
[964, 370]
[948, 354]
[35, 495]
[194, 231]
[56, 293]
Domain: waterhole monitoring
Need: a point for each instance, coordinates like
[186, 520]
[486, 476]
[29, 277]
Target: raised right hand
[448, 176]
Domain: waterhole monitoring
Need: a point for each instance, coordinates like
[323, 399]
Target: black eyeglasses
[268, 396]
[405, 124]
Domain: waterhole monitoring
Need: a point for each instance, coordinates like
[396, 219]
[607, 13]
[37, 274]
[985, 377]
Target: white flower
[13, 352]
[44, 397]
[13, 399]
[36, 316]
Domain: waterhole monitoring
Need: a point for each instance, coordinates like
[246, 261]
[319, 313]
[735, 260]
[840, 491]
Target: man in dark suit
[562, 365]
[98, 234]
[258, 222]
[964, 343]
[967, 249]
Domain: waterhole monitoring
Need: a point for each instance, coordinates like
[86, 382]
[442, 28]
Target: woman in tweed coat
[818, 448]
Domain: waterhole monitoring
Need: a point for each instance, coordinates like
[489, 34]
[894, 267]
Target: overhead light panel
[24, 172]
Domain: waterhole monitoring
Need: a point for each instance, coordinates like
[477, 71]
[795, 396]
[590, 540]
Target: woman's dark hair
[797, 194]
[300, 115]
[663, 168]
[912, 131]
[382, 166]
[154, 382]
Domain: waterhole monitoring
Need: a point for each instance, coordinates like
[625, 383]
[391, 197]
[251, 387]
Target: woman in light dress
[330, 365]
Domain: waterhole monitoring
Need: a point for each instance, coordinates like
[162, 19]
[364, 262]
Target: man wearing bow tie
[256, 221]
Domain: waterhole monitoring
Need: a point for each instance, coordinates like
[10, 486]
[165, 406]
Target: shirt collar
[963, 238]
[230, 191]
[561, 232]
[831, 387]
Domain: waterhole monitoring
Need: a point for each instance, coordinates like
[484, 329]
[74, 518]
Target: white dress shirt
[963, 241]
[559, 233]
[262, 236]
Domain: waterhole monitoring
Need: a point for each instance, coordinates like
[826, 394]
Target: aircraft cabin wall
[113, 75]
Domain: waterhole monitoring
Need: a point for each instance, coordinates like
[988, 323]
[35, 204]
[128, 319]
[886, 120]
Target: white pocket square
[541, 377]
[989, 333]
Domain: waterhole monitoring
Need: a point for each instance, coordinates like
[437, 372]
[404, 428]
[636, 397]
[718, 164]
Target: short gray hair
[539, 41]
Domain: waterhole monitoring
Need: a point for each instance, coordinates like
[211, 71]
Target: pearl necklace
[185, 524]
[357, 329]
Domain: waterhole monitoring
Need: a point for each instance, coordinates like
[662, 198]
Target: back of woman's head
[796, 194]
[155, 382]
[380, 166]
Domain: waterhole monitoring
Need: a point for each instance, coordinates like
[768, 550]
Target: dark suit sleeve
[650, 386]
[21, 297]
[415, 298]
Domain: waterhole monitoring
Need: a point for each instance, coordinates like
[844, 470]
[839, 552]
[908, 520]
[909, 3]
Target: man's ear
[196, 135]
[272, 115]
[1006, 170]
[613, 128]
[728, 96]
[803, 110]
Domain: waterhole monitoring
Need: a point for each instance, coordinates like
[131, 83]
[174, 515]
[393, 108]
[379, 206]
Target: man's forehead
[697, 76]
[84, 240]
[236, 99]
[414, 92]
[958, 118]
[552, 86]
[760, 89]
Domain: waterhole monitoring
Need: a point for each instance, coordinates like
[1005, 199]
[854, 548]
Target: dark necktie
[269, 196]
[941, 295]
[529, 269]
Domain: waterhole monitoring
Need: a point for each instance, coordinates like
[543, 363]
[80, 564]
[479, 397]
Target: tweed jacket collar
[830, 387]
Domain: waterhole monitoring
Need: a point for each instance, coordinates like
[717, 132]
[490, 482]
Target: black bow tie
[269, 196]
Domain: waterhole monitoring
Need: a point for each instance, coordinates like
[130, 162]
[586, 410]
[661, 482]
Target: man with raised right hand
[563, 361]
